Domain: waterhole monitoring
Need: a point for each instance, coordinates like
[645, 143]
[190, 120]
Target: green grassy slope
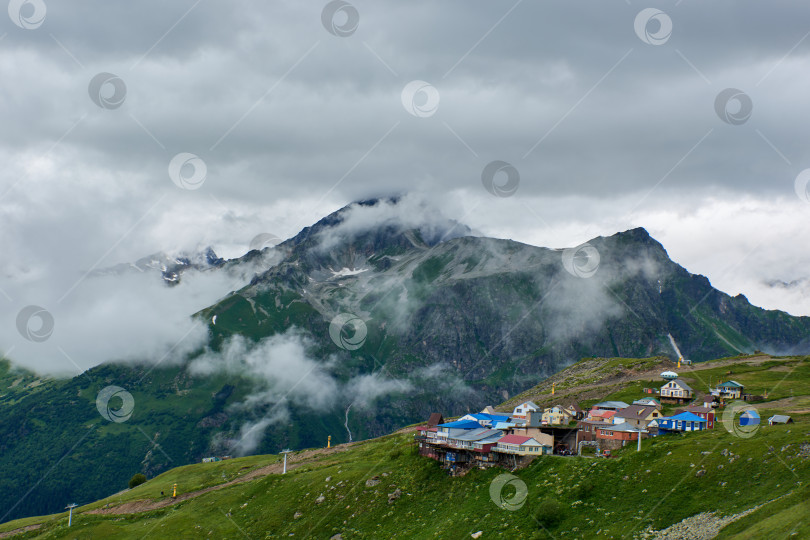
[597, 379]
[484, 317]
[596, 498]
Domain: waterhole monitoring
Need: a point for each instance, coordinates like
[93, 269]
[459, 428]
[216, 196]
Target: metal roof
[514, 439]
[686, 417]
[492, 438]
[636, 411]
[490, 417]
[529, 404]
[462, 424]
[477, 434]
[624, 426]
[682, 384]
[435, 419]
[611, 404]
[697, 409]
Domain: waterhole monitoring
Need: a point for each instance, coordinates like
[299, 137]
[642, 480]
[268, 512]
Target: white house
[676, 391]
[523, 409]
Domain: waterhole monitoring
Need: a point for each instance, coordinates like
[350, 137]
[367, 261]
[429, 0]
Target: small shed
[749, 417]
[780, 419]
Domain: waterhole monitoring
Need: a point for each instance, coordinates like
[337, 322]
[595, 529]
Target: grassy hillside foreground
[352, 490]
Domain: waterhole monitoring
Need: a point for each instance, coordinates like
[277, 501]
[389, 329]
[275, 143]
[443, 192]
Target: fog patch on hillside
[286, 375]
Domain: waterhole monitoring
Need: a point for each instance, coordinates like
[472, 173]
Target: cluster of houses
[514, 438]
[677, 391]
[490, 438]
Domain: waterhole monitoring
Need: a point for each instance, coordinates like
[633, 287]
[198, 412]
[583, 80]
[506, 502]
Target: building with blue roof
[454, 429]
[749, 417]
[461, 424]
[486, 419]
[684, 421]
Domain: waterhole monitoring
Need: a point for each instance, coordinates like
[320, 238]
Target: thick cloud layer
[286, 374]
[609, 123]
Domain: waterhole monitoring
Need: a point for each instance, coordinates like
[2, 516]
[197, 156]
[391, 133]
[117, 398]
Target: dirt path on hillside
[21, 530]
[293, 462]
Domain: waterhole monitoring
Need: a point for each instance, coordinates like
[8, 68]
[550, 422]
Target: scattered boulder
[297, 515]
[320, 499]
[396, 494]
[338, 536]
[700, 473]
[373, 481]
[477, 534]
[328, 478]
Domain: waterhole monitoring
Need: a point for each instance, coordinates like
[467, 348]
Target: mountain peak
[639, 232]
[390, 216]
[634, 239]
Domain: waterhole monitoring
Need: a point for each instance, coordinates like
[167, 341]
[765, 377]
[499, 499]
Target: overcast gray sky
[607, 110]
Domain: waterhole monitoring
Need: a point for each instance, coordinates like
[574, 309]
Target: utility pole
[640, 431]
[70, 508]
[285, 452]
